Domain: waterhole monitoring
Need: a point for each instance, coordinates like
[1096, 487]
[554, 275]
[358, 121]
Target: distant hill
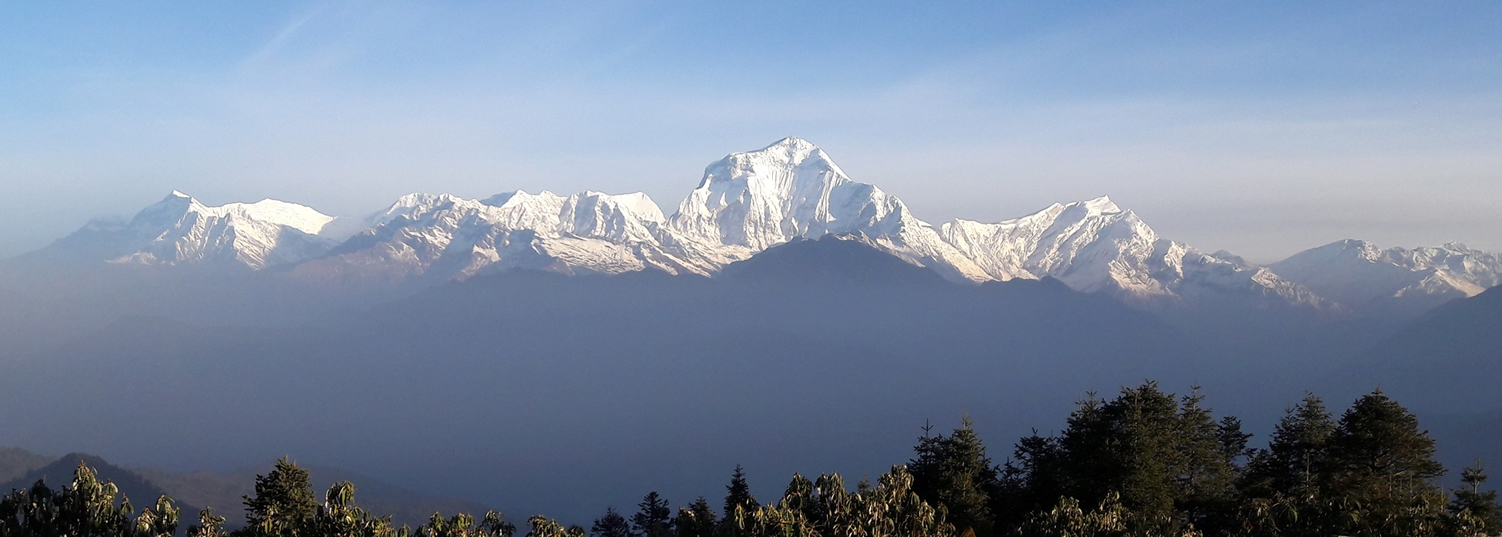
[141, 491]
[1447, 367]
[1444, 359]
[16, 462]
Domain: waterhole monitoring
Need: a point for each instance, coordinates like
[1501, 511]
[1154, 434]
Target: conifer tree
[1383, 468]
[1128, 445]
[1208, 451]
[612, 524]
[1295, 461]
[955, 472]
[283, 503]
[696, 520]
[738, 494]
[1033, 480]
[1480, 506]
[654, 518]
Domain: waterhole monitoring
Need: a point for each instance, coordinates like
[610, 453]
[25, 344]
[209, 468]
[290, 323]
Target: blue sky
[1260, 127]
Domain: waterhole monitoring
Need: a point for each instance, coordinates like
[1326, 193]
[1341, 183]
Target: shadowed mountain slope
[539, 392]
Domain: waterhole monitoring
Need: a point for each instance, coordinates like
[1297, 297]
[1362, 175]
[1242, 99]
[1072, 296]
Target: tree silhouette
[611, 525]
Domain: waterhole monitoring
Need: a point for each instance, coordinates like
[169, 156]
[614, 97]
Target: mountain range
[547, 353]
[746, 203]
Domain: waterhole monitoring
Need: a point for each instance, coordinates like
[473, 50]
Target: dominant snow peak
[787, 190]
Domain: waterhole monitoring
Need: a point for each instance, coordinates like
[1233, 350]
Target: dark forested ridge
[1142, 463]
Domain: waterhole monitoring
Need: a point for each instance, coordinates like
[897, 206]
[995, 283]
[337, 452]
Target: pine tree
[955, 472]
[697, 520]
[1382, 465]
[1129, 445]
[1480, 506]
[283, 503]
[1295, 462]
[1208, 451]
[738, 494]
[654, 518]
[612, 524]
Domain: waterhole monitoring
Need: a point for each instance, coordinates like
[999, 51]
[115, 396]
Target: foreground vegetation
[1146, 463]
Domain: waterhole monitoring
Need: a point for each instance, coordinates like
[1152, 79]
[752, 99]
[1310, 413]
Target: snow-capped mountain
[748, 202]
[744, 204]
[179, 230]
[1360, 274]
[1095, 246]
[440, 236]
[792, 189]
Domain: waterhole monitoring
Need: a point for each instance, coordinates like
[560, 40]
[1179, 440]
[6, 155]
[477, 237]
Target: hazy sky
[1260, 127]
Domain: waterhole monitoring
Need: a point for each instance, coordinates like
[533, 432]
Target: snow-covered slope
[792, 189]
[1360, 274]
[181, 231]
[440, 236]
[1095, 246]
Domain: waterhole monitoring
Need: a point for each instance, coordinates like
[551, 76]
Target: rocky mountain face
[748, 202]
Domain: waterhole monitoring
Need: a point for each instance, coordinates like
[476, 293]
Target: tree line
[1145, 463]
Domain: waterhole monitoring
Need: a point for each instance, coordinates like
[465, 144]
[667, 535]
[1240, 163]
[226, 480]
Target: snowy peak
[1096, 246]
[1360, 273]
[1095, 232]
[179, 230]
[787, 190]
[1097, 206]
[178, 206]
[793, 190]
[438, 237]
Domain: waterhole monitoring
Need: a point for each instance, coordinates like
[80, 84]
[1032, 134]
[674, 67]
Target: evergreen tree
[283, 503]
[739, 504]
[738, 494]
[1480, 506]
[697, 520]
[955, 472]
[1382, 466]
[1033, 480]
[1294, 463]
[1129, 445]
[610, 525]
[654, 519]
[1208, 452]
